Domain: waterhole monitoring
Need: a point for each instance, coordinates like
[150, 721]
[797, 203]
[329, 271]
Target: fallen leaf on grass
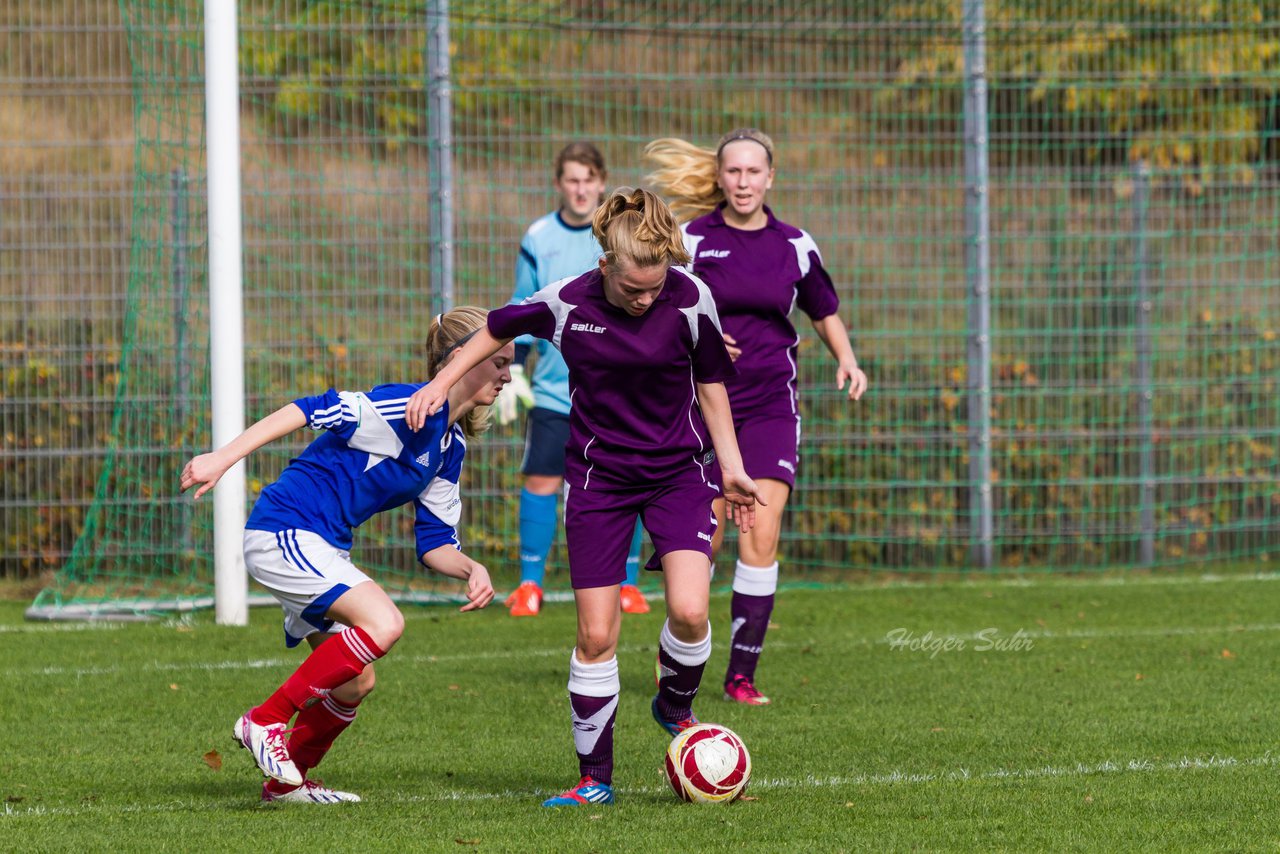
[462, 841]
[1226, 653]
[453, 687]
[14, 799]
[1138, 677]
[1088, 799]
[214, 760]
[748, 798]
[173, 686]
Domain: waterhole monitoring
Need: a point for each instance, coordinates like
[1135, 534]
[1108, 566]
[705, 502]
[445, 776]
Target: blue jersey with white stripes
[367, 461]
[550, 251]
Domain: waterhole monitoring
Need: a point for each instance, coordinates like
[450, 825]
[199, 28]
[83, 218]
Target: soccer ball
[708, 764]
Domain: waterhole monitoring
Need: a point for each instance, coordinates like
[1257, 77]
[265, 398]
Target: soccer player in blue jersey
[297, 542]
[650, 420]
[556, 246]
[758, 269]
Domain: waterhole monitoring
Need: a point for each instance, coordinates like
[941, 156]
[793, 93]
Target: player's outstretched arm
[740, 492]
[448, 560]
[427, 400]
[208, 469]
[835, 335]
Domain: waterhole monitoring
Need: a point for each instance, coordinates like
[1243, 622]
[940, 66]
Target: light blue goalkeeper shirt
[550, 251]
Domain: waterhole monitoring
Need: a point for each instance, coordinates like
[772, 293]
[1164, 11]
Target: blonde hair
[447, 333]
[637, 226]
[686, 174]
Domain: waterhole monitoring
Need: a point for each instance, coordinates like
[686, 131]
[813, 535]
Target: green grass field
[1133, 715]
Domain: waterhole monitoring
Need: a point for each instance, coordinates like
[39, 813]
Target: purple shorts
[598, 525]
[769, 446]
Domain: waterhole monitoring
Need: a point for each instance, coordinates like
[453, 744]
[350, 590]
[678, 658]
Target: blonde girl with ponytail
[758, 269]
[297, 542]
[650, 433]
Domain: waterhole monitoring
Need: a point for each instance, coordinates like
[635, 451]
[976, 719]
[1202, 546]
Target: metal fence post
[440, 154]
[978, 280]
[179, 206]
[1146, 394]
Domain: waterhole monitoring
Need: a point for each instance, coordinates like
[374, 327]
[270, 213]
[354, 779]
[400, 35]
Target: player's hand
[741, 495]
[514, 394]
[731, 344]
[853, 375]
[425, 402]
[206, 470]
[479, 588]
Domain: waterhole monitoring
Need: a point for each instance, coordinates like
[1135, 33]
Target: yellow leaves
[1071, 100]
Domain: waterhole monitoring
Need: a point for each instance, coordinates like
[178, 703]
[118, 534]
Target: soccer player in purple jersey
[758, 268]
[297, 543]
[556, 246]
[650, 416]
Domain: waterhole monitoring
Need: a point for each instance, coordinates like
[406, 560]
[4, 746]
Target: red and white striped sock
[339, 659]
[315, 731]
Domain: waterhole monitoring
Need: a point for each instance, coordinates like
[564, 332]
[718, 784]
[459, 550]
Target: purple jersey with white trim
[757, 278]
[635, 420]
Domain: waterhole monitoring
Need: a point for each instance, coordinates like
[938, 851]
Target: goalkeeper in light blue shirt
[557, 246]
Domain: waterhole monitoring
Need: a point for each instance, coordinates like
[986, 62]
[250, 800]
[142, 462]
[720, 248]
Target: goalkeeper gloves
[514, 393]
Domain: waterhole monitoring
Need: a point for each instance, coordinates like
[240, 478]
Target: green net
[1134, 261]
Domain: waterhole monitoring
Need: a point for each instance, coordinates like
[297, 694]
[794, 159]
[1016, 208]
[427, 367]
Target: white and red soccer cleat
[310, 792]
[267, 745]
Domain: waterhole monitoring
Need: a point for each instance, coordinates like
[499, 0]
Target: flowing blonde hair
[686, 174]
[447, 333]
[637, 226]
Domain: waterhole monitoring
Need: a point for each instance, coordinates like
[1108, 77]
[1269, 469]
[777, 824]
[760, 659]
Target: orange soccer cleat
[526, 601]
[633, 601]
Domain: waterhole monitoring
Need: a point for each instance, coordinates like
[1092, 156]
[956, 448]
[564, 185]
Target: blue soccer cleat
[673, 728]
[587, 792]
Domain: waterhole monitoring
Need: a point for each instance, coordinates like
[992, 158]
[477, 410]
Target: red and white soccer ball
[708, 764]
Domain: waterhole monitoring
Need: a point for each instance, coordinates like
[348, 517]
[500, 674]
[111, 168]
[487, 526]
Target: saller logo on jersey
[714, 253]
[586, 327]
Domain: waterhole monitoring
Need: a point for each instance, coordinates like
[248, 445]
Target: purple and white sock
[754, 588]
[593, 696]
[680, 667]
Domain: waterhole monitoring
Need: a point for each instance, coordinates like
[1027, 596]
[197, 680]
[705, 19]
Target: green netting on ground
[1133, 208]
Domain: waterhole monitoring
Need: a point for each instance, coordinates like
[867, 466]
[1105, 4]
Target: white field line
[42, 628]
[555, 652]
[891, 778]
[868, 587]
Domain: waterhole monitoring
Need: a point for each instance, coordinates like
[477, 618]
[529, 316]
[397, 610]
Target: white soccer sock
[594, 680]
[688, 654]
[755, 580]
